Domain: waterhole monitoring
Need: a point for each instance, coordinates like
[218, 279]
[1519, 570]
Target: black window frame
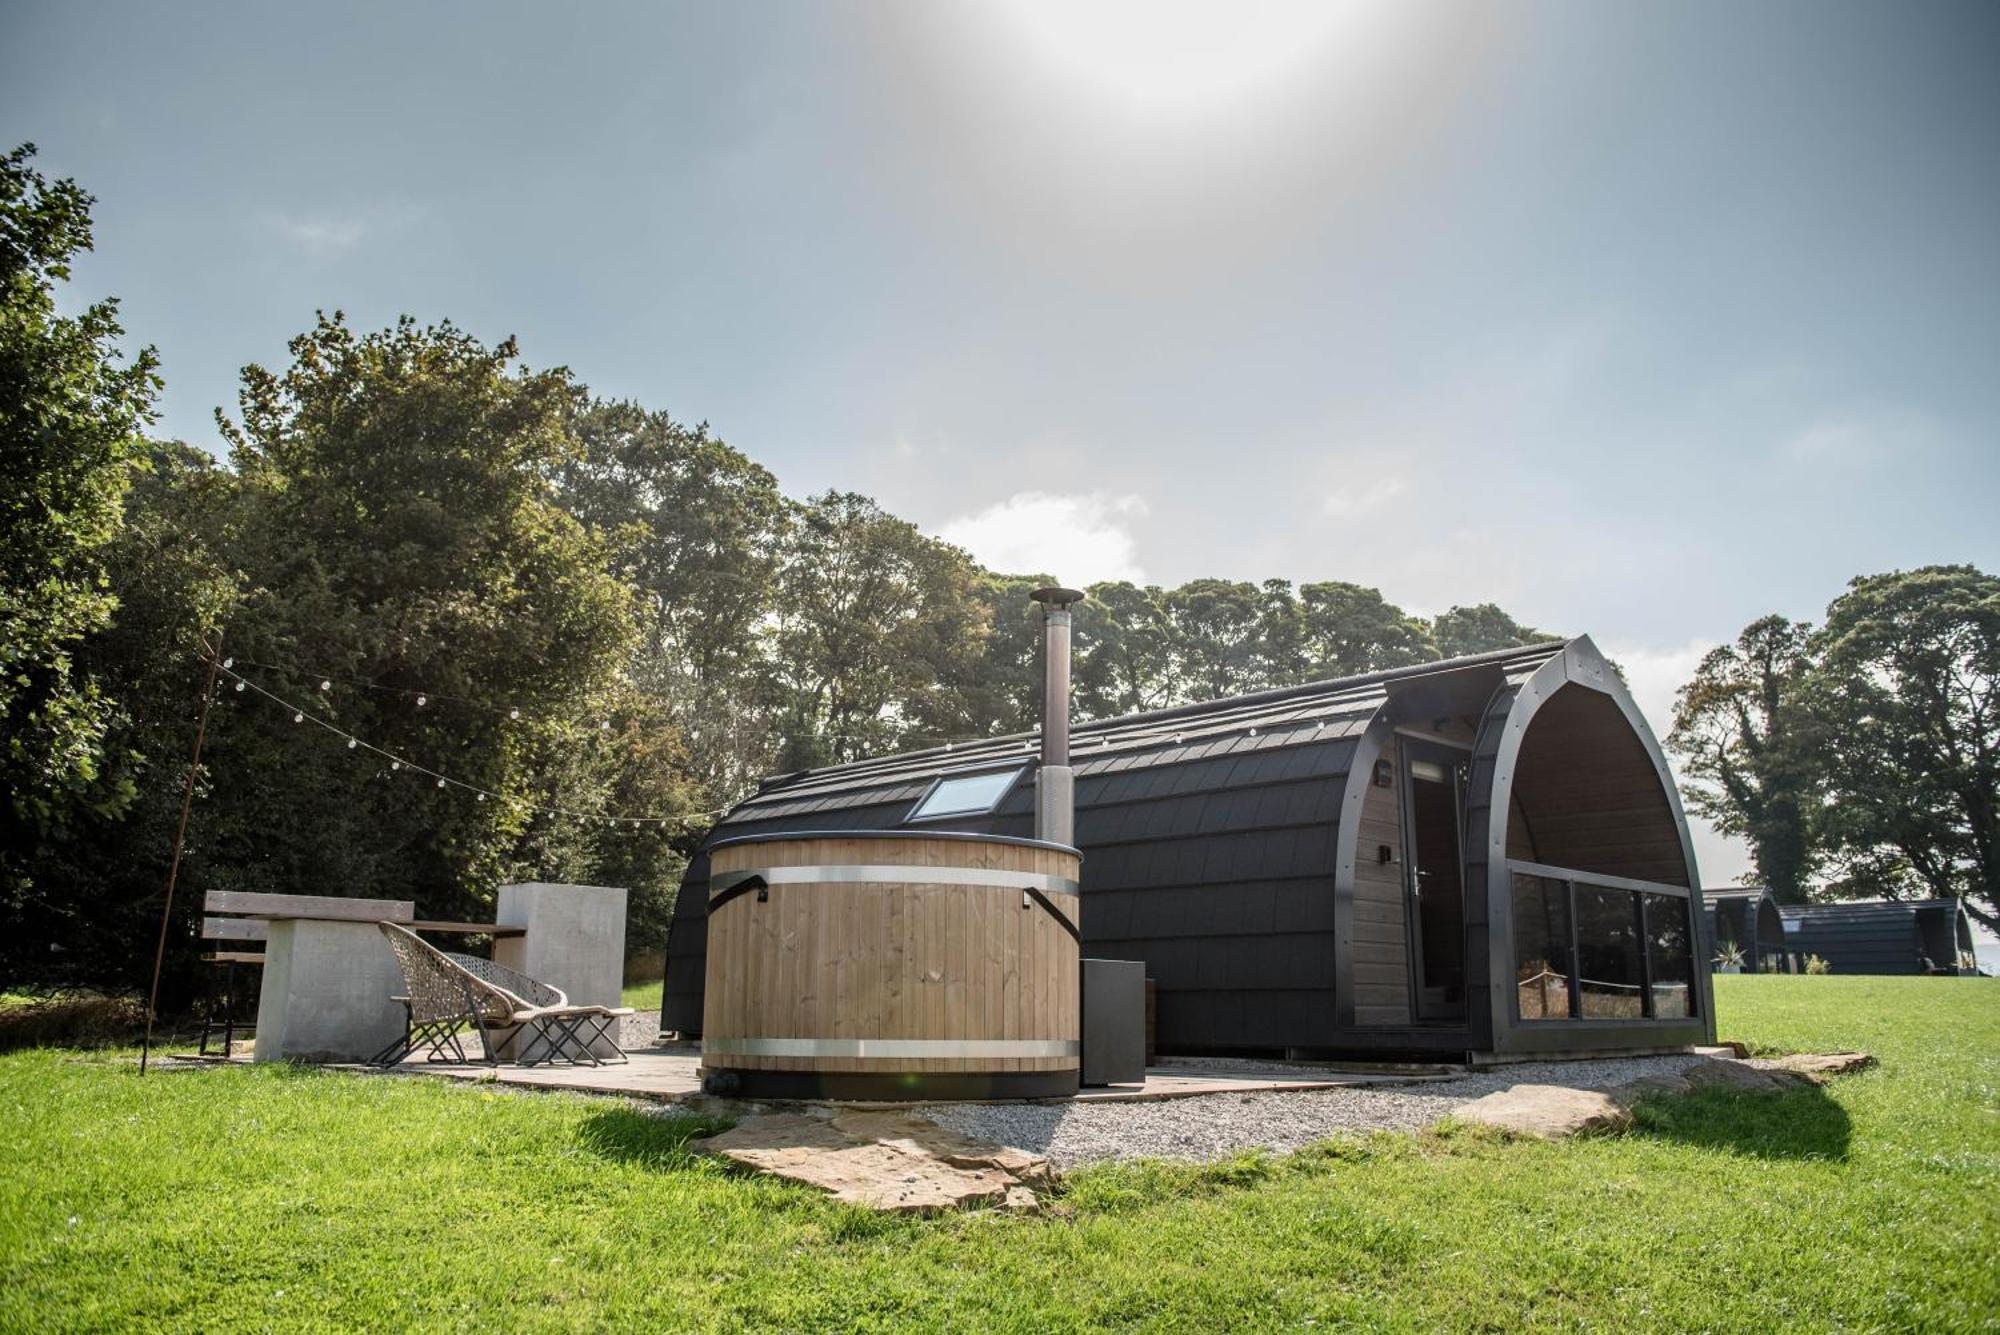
[1569, 878]
[1019, 768]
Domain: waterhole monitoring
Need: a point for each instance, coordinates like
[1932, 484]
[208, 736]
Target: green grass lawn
[643, 996]
[224, 1199]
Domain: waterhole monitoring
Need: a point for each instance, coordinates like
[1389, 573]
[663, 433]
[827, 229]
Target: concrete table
[328, 975]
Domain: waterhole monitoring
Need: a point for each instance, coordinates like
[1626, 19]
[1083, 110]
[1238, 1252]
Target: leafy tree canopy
[71, 410]
[1906, 689]
[1749, 744]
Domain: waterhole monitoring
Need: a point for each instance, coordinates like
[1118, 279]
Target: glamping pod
[891, 964]
[1481, 858]
[1908, 936]
[1748, 921]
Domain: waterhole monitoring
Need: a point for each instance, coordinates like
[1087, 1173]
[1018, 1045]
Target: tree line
[572, 604]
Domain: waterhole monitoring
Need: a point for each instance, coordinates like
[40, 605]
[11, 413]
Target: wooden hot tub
[891, 965]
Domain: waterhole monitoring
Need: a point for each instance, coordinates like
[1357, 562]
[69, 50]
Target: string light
[518, 805]
[513, 713]
[422, 700]
[326, 685]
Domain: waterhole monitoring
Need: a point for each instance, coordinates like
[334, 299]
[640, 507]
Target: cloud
[1080, 539]
[1854, 441]
[327, 236]
[1347, 502]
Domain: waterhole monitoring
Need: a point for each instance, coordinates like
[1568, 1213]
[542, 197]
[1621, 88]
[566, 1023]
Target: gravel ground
[641, 1029]
[1213, 1125]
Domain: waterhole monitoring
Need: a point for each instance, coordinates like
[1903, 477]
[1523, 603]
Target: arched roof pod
[1770, 923]
[1566, 773]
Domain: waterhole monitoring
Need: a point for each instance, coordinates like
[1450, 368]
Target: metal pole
[180, 837]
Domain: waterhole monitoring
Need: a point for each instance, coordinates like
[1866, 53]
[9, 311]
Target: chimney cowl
[1058, 597]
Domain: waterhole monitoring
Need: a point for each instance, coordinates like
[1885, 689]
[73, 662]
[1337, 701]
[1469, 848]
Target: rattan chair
[450, 993]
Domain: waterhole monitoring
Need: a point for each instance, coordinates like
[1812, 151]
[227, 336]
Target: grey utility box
[1114, 1022]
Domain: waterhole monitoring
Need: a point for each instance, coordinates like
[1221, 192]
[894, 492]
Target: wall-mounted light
[1383, 773]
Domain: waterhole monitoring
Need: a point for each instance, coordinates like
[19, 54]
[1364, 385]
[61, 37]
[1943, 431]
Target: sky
[1639, 320]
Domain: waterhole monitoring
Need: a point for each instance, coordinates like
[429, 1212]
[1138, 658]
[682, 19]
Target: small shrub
[72, 1021]
[1817, 965]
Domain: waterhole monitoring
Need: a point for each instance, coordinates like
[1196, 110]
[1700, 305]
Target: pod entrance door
[1436, 882]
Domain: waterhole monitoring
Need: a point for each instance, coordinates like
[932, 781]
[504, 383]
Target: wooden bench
[230, 935]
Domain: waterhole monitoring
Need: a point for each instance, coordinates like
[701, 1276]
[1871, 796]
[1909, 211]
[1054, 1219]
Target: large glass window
[1633, 950]
[1670, 956]
[1541, 947]
[1611, 980]
[966, 794]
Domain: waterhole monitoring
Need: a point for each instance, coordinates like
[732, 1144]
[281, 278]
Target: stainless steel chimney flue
[1055, 785]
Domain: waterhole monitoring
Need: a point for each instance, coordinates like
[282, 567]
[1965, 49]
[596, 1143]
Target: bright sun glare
[1181, 55]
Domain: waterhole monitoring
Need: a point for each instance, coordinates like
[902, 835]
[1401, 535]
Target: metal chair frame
[448, 992]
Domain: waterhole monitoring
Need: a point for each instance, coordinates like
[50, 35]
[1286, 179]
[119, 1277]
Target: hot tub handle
[1031, 895]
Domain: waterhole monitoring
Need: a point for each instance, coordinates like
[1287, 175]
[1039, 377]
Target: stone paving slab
[882, 1160]
[674, 1073]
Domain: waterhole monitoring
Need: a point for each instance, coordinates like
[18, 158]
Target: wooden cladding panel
[1586, 794]
[1380, 960]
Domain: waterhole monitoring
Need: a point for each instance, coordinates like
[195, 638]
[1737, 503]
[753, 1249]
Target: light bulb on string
[326, 685]
[480, 798]
[228, 662]
[440, 782]
[422, 700]
[513, 713]
[395, 764]
[239, 685]
[298, 717]
[353, 742]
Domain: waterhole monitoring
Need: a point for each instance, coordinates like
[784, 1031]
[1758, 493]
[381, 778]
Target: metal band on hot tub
[890, 1047]
[894, 874]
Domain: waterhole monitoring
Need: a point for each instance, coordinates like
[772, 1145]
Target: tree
[873, 623]
[398, 526]
[1123, 656]
[1213, 625]
[71, 413]
[92, 916]
[1744, 728]
[1004, 692]
[1348, 630]
[1908, 663]
[1458, 631]
[695, 530]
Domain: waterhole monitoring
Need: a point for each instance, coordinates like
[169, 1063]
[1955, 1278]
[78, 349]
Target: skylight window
[966, 794]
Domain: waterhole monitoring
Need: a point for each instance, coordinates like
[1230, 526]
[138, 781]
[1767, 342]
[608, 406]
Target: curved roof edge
[1333, 691]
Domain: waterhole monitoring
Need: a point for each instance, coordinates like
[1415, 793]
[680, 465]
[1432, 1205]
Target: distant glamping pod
[891, 965]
